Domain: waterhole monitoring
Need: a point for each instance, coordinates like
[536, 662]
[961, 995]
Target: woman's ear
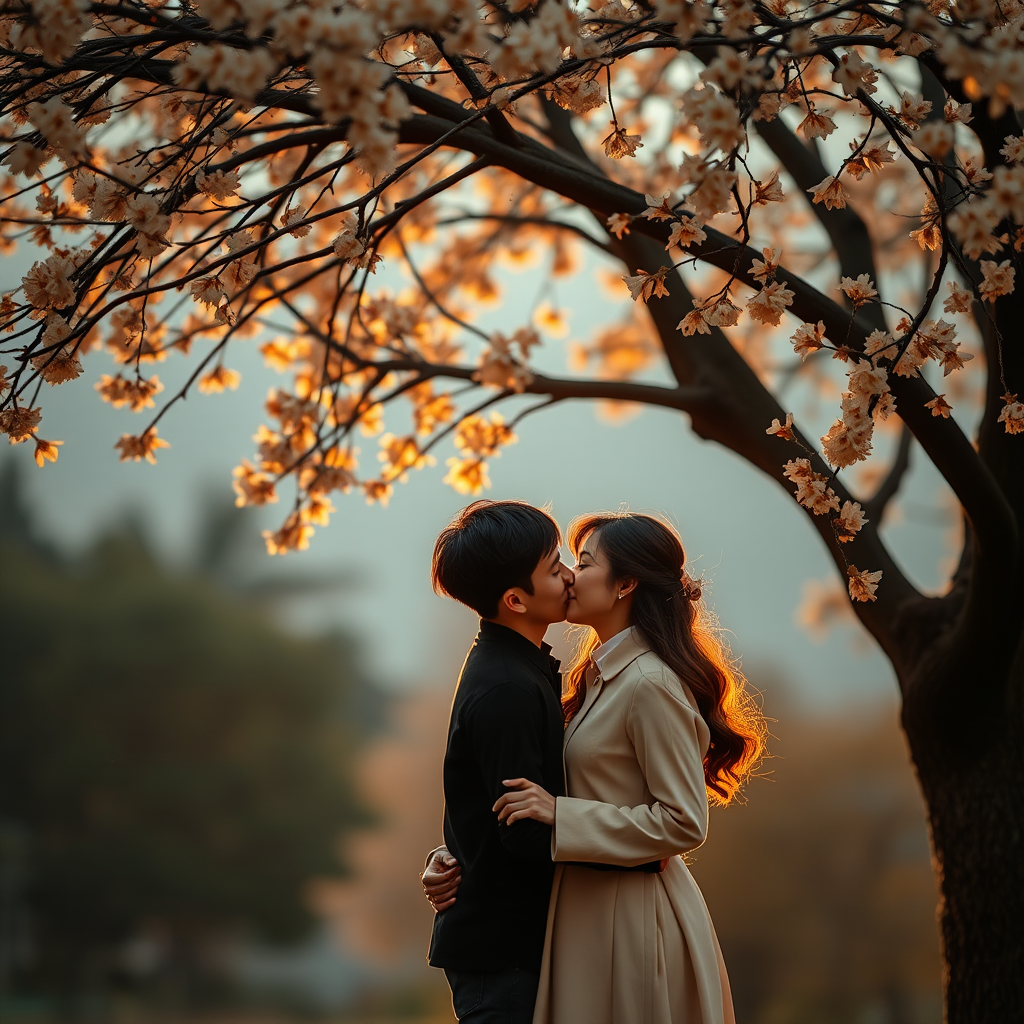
[627, 586]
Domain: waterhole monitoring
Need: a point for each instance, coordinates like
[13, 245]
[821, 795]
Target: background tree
[171, 766]
[209, 172]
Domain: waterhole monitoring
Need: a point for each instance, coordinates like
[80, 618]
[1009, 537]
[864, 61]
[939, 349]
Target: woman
[657, 723]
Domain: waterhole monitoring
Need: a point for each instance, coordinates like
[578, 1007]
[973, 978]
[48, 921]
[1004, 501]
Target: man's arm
[507, 728]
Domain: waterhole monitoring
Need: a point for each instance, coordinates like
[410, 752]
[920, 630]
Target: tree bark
[966, 743]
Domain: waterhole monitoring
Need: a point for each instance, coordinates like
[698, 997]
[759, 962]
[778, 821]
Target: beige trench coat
[631, 947]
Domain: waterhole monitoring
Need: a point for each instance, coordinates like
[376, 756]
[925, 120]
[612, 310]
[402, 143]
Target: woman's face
[594, 595]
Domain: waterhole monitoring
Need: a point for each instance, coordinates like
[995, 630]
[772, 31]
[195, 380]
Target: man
[500, 558]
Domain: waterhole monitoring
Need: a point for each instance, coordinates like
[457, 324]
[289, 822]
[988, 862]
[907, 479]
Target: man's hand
[440, 879]
[525, 800]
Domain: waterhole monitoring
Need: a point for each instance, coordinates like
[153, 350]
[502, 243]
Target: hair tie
[691, 587]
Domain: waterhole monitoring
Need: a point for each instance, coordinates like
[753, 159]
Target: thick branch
[875, 507]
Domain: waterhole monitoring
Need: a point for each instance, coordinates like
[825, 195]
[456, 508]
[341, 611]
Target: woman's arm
[666, 734]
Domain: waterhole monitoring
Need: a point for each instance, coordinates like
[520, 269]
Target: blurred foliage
[174, 768]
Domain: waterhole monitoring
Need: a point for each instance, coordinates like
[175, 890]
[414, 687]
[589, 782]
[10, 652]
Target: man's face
[550, 598]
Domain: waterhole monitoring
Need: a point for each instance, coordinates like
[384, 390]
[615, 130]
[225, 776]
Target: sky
[748, 538]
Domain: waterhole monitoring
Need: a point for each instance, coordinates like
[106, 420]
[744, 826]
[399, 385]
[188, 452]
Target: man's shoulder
[496, 676]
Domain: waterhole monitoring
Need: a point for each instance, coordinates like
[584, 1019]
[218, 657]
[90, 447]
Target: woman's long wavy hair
[674, 622]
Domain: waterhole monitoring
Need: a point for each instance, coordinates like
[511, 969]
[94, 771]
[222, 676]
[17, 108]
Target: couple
[560, 895]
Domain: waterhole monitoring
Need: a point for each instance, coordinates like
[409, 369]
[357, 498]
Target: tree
[195, 142]
[171, 765]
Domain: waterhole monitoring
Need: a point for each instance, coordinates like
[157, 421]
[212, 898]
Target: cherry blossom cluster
[189, 177]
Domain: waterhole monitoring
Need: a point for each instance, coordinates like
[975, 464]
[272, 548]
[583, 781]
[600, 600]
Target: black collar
[540, 656]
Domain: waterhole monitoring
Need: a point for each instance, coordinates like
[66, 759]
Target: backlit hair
[674, 622]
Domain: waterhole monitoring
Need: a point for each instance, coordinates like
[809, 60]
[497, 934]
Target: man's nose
[568, 575]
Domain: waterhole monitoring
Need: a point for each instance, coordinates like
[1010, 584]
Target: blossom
[659, 207]
[816, 125]
[958, 301]
[48, 285]
[844, 444]
[695, 322]
[722, 312]
[477, 435]
[377, 490]
[294, 535]
[644, 286]
[292, 220]
[57, 365]
[1013, 150]
[347, 244]
[25, 159]
[716, 118]
[56, 28]
[218, 379]
[218, 184]
[55, 121]
[830, 191]
[686, 232]
[870, 158]
[998, 279]
[849, 522]
[1011, 415]
[618, 143]
[400, 454]
[552, 320]
[768, 305]
[142, 446]
[854, 73]
[769, 191]
[335, 473]
[812, 490]
[877, 341]
[251, 486]
[500, 369]
[913, 109]
[862, 584]
[860, 291]
[618, 224]
[137, 394]
[208, 290]
[783, 430]
[467, 476]
[935, 139]
[809, 338]
[19, 422]
[761, 270]
[228, 69]
[46, 451]
[939, 406]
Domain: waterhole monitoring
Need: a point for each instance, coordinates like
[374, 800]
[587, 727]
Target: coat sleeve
[666, 733]
[508, 726]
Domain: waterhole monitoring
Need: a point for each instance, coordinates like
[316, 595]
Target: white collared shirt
[600, 655]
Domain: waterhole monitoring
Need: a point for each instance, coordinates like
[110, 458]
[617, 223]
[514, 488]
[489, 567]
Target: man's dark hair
[489, 547]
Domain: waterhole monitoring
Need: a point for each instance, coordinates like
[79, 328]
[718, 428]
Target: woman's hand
[440, 879]
[527, 800]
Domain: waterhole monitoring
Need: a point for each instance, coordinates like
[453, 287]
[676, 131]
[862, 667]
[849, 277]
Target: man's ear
[513, 601]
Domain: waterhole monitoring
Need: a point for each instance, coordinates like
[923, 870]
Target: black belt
[653, 867]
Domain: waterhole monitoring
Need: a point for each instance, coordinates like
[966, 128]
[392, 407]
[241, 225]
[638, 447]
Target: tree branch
[875, 507]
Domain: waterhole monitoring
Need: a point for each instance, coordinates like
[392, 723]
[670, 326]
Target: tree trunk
[968, 748]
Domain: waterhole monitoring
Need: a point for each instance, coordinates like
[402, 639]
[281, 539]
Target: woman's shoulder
[654, 679]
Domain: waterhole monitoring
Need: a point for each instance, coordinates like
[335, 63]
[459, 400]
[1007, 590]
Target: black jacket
[506, 723]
